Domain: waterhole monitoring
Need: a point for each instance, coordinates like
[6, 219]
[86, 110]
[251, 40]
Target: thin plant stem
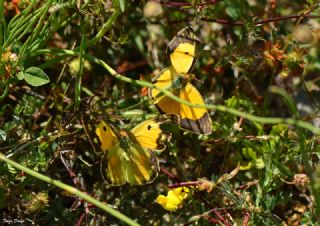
[221, 108]
[71, 190]
[184, 4]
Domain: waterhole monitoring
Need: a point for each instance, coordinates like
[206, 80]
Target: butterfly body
[124, 140]
[177, 79]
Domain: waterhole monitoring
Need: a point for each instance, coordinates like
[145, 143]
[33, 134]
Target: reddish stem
[129, 66]
[222, 21]
[246, 219]
[247, 185]
[211, 219]
[79, 222]
[169, 174]
[240, 121]
[240, 23]
[183, 4]
[205, 216]
[275, 19]
[221, 218]
[183, 184]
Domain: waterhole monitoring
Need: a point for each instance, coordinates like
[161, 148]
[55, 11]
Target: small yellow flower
[74, 66]
[174, 198]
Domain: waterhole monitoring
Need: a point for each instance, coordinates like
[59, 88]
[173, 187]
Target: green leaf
[139, 43]
[35, 76]
[132, 113]
[122, 4]
[3, 135]
[249, 153]
[20, 75]
[11, 169]
[260, 163]
[233, 12]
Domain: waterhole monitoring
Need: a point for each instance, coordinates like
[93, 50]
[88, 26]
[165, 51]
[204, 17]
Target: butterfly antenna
[199, 81]
[113, 126]
[198, 14]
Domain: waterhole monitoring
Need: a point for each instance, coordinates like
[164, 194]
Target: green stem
[6, 89]
[71, 190]
[221, 108]
[80, 71]
[292, 107]
[2, 22]
[254, 118]
[105, 27]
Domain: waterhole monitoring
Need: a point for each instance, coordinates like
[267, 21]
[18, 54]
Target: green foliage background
[258, 71]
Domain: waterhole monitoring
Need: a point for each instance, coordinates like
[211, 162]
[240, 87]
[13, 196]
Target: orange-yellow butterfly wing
[149, 134]
[193, 118]
[164, 80]
[129, 158]
[182, 49]
[106, 136]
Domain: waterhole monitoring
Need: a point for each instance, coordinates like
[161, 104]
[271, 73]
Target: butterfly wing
[149, 134]
[106, 136]
[164, 80]
[194, 119]
[181, 50]
[134, 165]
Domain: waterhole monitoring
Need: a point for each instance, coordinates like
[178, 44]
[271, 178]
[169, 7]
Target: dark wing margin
[186, 34]
[200, 126]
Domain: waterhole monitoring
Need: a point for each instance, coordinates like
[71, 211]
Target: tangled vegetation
[65, 64]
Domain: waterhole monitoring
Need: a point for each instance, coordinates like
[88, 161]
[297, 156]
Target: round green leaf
[35, 76]
[20, 75]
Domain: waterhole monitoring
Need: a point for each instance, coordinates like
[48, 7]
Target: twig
[169, 174]
[280, 18]
[80, 220]
[184, 4]
[246, 219]
[247, 185]
[211, 219]
[53, 135]
[265, 21]
[183, 184]
[128, 66]
[223, 21]
[221, 218]
[206, 216]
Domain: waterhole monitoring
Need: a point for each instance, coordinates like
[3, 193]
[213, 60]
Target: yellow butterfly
[128, 156]
[181, 50]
